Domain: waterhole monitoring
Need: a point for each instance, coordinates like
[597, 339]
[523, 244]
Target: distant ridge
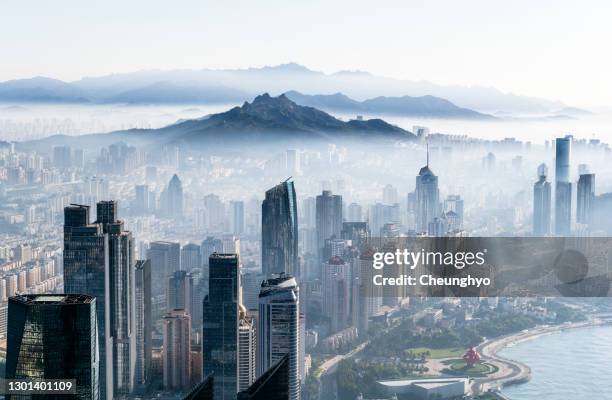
[407, 106]
[201, 85]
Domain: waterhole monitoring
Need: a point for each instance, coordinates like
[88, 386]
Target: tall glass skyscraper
[144, 322]
[563, 187]
[427, 198]
[86, 270]
[220, 325]
[585, 198]
[121, 296]
[278, 332]
[328, 218]
[279, 230]
[173, 198]
[541, 207]
[54, 337]
[165, 259]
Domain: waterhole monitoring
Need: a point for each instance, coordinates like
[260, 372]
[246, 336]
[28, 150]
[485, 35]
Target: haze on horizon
[550, 49]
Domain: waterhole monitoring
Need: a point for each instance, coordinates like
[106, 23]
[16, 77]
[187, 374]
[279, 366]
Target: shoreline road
[511, 371]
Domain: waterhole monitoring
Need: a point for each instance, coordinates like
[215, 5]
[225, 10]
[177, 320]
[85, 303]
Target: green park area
[429, 353]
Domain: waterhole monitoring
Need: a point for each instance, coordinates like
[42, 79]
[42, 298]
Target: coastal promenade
[511, 371]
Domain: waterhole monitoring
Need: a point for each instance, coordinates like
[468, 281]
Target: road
[327, 388]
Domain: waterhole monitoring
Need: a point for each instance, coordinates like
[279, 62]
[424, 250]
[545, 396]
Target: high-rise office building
[237, 217]
[220, 325]
[357, 232]
[62, 157]
[177, 350]
[273, 384]
[278, 328]
[251, 283]
[180, 292]
[427, 197]
[354, 213]
[86, 271]
[165, 259]
[173, 198]
[541, 205]
[382, 214]
[209, 246]
[563, 187]
[336, 293]
[246, 350]
[329, 217]
[142, 199]
[279, 230]
[191, 257]
[585, 192]
[143, 322]
[454, 203]
[121, 296]
[54, 337]
[390, 195]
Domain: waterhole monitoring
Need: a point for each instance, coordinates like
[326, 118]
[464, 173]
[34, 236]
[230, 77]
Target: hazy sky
[555, 49]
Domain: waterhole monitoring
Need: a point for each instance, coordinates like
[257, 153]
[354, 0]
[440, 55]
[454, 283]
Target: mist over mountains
[266, 119]
[405, 106]
[207, 86]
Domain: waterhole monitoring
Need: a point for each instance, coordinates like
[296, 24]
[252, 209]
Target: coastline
[510, 371]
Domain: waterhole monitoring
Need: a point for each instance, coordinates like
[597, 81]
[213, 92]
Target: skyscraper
[427, 197]
[357, 232]
[180, 292]
[273, 384]
[585, 198]
[191, 257]
[173, 198]
[143, 322]
[86, 270]
[165, 259]
[336, 293]
[177, 350]
[541, 206]
[563, 187]
[62, 157]
[220, 325]
[246, 350]
[354, 213]
[54, 337]
[279, 230]
[237, 217]
[329, 217]
[454, 203]
[209, 246]
[278, 333]
[121, 296]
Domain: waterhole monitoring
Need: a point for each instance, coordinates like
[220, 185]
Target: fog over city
[196, 201]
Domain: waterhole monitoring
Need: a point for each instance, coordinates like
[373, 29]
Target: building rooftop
[53, 298]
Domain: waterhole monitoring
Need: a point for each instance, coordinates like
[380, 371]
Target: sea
[574, 364]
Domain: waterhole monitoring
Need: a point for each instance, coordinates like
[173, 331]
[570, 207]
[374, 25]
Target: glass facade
[54, 337]
[279, 231]
[86, 261]
[220, 325]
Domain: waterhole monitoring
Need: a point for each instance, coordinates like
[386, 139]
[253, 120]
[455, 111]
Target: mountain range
[266, 119]
[233, 86]
[406, 106]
